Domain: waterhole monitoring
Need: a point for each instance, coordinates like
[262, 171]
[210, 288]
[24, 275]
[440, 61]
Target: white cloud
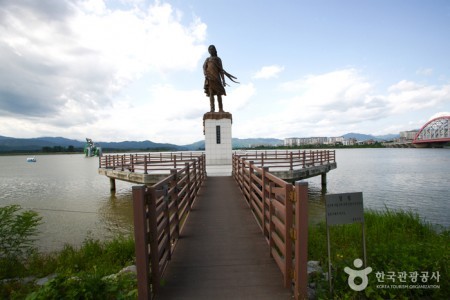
[70, 68]
[268, 72]
[337, 102]
[239, 97]
[410, 96]
[439, 114]
[425, 71]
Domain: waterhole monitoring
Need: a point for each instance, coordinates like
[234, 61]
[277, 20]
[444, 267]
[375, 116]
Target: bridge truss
[434, 131]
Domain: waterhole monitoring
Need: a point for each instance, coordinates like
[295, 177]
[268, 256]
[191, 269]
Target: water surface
[75, 202]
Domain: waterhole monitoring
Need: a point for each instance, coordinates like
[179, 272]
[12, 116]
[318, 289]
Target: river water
[75, 202]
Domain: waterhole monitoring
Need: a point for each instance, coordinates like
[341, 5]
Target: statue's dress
[212, 69]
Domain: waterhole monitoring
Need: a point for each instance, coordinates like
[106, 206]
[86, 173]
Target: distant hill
[35, 144]
[240, 143]
[388, 137]
[9, 144]
[144, 145]
[365, 137]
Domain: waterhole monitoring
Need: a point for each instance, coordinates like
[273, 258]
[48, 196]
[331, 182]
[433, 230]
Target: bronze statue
[215, 78]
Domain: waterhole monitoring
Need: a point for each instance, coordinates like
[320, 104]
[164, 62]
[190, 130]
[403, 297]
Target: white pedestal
[217, 128]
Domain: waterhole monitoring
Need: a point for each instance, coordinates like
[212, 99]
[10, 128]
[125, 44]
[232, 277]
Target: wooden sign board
[344, 208]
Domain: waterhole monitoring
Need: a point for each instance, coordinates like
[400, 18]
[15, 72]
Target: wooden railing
[281, 210]
[289, 159]
[144, 163]
[159, 214]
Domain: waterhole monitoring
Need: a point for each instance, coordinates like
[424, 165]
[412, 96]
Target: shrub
[17, 231]
[397, 241]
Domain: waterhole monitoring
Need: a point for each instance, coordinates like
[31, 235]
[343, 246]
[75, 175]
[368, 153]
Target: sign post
[345, 208]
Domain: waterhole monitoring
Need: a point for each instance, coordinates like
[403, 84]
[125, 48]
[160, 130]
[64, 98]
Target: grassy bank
[397, 242]
[75, 273]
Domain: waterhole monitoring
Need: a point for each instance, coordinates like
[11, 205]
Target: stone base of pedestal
[217, 129]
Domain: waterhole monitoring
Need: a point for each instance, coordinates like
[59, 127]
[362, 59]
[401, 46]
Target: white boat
[31, 159]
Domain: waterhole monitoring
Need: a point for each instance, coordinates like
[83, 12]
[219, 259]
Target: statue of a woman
[215, 78]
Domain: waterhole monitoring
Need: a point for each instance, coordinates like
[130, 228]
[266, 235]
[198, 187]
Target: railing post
[154, 253]
[200, 167]
[145, 164]
[264, 197]
[174, 160]
[304, 159]
[141, 242]
[188, 184]
[122, 161]
[167, 217]
[288, 199]
[204, 165]
[291, 162]
[241, 170]
[250, 183]
[236, 167]
[195, 180]
[173, 185]
[301, 241]
[271, 224]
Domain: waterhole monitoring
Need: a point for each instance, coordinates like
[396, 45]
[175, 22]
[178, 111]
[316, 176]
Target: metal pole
[364, 245]
[329, 262]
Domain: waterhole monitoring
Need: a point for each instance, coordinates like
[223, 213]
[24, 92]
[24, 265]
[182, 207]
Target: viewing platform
[239, 233]
[291, 165]
[150, 168]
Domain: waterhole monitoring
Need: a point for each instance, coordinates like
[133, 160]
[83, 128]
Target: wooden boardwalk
[222, 253]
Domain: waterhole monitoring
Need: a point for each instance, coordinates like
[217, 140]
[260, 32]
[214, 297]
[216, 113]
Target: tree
[17, 229]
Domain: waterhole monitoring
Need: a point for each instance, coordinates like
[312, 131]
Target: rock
[314, 267]
[311, 293]
[44, 280]
[129, 269]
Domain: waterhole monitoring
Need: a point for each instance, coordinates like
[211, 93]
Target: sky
[117, 70]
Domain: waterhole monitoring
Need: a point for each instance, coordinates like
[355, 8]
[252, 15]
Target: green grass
[396, 242]
[79, 272]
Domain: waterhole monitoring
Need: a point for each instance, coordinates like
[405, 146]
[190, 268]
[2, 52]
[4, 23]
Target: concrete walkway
[222, 253]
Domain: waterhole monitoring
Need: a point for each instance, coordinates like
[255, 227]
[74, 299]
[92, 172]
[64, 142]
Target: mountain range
[10, 144]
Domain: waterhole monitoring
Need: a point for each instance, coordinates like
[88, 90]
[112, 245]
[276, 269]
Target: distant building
[350, 142]
[290, 142]
[335, 140]
[408, 135]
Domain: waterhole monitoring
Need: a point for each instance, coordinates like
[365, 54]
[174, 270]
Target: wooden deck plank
[222, 253]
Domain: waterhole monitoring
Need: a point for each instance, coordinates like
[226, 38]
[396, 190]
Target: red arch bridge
[434, 133]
